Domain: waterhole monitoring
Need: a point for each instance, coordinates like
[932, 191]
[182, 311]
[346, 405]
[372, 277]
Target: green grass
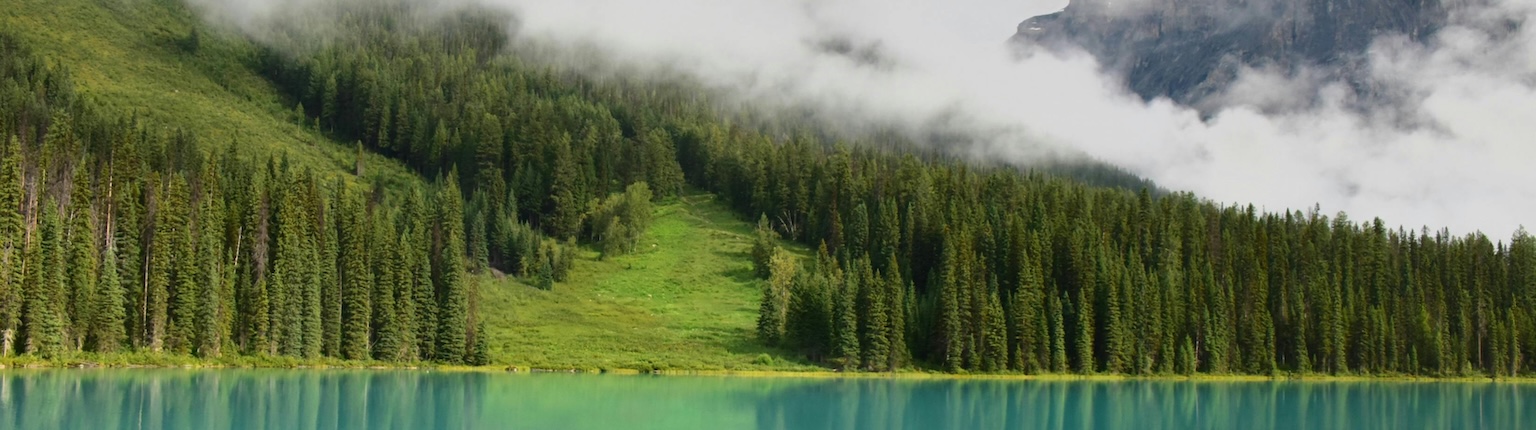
[686, 301]
[128, 56]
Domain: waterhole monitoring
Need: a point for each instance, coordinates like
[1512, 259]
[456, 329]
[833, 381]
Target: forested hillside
[922, 260]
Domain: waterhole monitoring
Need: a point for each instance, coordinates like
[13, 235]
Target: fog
[1454, 150]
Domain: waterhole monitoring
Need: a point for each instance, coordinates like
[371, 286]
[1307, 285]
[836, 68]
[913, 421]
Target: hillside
[135, 57]
[516, 212]
[695, 299]
[688, 300]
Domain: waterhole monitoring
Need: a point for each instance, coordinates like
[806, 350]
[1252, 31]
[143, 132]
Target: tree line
[920, 260]
[930, 261]
[120, 235]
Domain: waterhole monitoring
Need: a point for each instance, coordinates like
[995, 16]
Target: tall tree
[451, 285]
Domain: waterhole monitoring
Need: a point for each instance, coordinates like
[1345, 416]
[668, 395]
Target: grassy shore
[167, 361]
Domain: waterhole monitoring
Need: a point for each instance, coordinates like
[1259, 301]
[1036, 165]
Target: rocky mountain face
[1188, 50]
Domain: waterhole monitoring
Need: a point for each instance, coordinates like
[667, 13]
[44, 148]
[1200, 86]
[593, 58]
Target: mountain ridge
[1189, 51]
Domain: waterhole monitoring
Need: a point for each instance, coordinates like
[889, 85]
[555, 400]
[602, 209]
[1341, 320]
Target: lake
[346, 399]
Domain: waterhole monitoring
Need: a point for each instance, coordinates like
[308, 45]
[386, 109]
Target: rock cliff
[1188, 50]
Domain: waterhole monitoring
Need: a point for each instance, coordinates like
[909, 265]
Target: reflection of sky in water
[261, 399]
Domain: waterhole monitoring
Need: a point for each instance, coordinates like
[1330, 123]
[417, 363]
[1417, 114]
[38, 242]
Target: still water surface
[293, 399]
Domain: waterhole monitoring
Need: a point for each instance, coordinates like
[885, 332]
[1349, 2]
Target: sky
[1456, 151]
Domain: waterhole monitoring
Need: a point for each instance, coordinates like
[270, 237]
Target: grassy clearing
[686, 300]
[131, 56]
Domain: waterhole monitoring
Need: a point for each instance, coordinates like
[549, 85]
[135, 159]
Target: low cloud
[1453, 146]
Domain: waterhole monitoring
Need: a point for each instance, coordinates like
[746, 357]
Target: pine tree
[995, 350]
[107, 325]
[856, 232]
[771, 313]
[82, 259]
[663, 172]
[312, 213]
[162, 255]
[875, 318]
[481, 355]
[187, 281]
[289, 276]
[421, 263]
[565, 204]
[1118, 342]
[1058, 335]
[764, 242]
[356, 279]
[42, 311]
[453, 306]
[386, 318]
[212, 332]
[845, 334]
[12, 242]
[897, 297]
[950, 333]
[332, 269]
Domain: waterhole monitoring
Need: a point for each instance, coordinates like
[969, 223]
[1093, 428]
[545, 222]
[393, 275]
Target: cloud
[1454, 149]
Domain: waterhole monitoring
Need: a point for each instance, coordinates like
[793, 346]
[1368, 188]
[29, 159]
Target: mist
[1453, 150]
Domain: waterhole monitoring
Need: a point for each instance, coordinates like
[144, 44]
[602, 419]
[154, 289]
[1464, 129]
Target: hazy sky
[1462, 158]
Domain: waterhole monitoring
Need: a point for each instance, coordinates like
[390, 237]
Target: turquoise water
[295, 399]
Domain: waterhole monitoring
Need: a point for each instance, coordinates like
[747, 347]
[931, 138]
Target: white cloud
[1456, 152]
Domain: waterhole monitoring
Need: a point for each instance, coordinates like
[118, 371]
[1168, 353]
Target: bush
[615, 224]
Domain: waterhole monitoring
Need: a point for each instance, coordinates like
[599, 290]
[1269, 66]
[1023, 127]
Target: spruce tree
[995, 349]
[764, 242]
[386, 318]
[1058, 334]
[12, 241]
[82, 258]
[875, 321]
[845, 331]
[187, 281]
[162, 249]
[950, 327]
[333, 275]
[356, 279]
[453, 299]
[896, 303]
[107, 325]
[42, 311]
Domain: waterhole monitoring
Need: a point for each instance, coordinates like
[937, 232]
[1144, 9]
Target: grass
[686, 300]
[129, 57]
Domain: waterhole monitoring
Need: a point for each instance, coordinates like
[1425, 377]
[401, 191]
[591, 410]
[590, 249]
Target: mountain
[1189, 50]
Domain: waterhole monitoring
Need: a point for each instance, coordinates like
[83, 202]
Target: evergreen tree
[875, 318]
[897, 304]
[845, 332]
[82, 259]
[107, 327]
[12, 241]
[453, 297]
[356, 278]
[187, 281]
[42, 311]
[764, 242]
[386, 312]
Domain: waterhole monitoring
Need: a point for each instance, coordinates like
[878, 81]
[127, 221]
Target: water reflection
[274, 399]
[1148, 405]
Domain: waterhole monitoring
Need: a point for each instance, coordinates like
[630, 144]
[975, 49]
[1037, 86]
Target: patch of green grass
[686, 300]
[129, 57]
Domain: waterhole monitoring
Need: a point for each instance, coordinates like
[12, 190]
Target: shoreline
[168, 362]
